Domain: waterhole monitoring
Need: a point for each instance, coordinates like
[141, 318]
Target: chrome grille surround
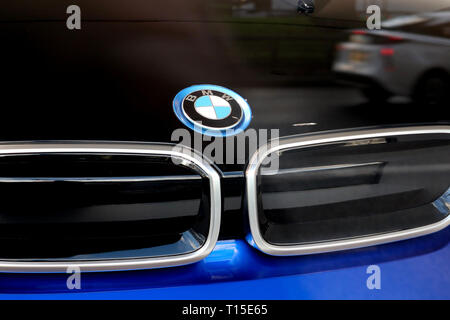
[255, 237]
[121, 148]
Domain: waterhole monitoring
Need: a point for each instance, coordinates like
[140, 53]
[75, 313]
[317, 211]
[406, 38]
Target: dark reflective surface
[116, 77]
[355, 188]
[63, 205]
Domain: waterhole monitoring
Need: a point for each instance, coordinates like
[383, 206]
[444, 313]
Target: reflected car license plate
[358, 56]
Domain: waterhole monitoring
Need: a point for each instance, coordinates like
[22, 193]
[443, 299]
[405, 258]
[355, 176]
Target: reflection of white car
[409, 56]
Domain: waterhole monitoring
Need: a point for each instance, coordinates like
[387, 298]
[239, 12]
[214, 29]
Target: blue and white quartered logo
[212, 110]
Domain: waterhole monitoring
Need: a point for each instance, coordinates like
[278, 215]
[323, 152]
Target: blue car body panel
[410, 269]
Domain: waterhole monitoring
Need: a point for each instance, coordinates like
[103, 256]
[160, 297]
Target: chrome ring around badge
[212, 110]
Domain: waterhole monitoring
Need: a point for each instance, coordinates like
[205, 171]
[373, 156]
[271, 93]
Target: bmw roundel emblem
[212, 110]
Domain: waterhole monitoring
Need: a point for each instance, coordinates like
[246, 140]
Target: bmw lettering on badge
[212, 110]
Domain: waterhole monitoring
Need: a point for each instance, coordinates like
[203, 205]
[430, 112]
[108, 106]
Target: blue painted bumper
[411, 269]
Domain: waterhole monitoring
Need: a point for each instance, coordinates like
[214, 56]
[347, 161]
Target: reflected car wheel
[432, 90]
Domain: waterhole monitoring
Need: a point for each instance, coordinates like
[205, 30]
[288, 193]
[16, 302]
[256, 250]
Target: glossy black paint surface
[116, 77]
